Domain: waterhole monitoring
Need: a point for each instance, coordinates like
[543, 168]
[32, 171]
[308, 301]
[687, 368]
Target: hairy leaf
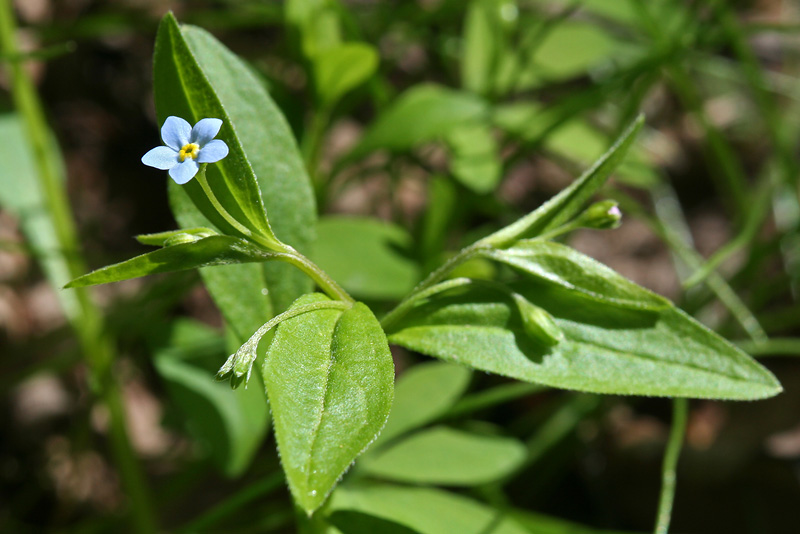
[329, 377]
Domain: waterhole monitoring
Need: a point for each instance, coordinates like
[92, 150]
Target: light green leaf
[329, 377]
[225, 84]
[339, 70]
[607, 348]
[446, 456]
[422, 394]
[21, 196]
[483, 45]
[536, 523]
[568, 50]
[214, 250]
[559, 264]
[185, 89]
[229, 425]
[475, 156]
[366, 256]
[173, 237]
[425, 510]
[562, 207]
[317, 22]
[422, 114]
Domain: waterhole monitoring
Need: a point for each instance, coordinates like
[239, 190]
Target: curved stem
[680, 409]
[325, 282]
[269, 244]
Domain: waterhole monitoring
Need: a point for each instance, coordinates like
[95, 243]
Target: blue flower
[186, 148]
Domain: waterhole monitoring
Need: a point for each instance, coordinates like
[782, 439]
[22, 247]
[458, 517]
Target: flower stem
[680, 409]
[323, 280]
[269, 244]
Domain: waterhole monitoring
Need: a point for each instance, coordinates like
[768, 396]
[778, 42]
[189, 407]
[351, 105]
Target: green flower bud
[602, 215]
[537, 323]
[180, 239]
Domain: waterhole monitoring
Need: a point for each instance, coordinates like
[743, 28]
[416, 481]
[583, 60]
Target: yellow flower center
[189, 150]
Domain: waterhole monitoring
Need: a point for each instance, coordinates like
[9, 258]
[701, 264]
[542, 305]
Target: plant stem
[270, 244]
[680, 410]
[323, 280]
[86, 319]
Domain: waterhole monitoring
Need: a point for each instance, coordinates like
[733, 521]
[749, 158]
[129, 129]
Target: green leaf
[554, 263]
[339, 70]
[567, 51]
[366, 256]
[562, 207]
[214, 250]
[448, 457]
[475, 156]
[483, 46]
[186, 89]
[424, 113]
[425, 510]
[229, 425]
[422, 394]
[607, 348]
[536, 523]
[317, 22]
[222, 83]
[21, 195]
[329, 377]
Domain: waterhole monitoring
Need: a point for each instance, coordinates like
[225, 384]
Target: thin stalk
[87, 321]
[322, 279]
[269, 244]
[680, 412]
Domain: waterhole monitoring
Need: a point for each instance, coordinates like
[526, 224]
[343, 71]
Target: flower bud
[537, 323]
[602, 215]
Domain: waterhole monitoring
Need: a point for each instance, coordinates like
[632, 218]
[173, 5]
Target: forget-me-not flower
[186, 148]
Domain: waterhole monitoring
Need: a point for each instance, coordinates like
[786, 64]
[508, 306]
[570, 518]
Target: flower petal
[161, 157]
[176, 132]
[205, 130]
[213, 151]
[184, 172]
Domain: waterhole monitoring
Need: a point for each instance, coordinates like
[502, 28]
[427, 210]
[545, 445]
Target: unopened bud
[602, 215]
[537, 323]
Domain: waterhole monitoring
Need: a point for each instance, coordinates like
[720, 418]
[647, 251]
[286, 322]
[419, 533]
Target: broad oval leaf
[607, 348]
[562, 265]
[475, 160]
[366, 256]
[448, 457]
[329, 378]
[424, 113]
[422, 394]
[214, 250]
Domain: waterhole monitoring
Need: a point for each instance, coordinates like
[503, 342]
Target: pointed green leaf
[562, 207]
[447, 457]
[247, 294]
[423, 393]
[329, 377]
[559, 264]
[214, 250]
[607, 348]
[188, 90]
